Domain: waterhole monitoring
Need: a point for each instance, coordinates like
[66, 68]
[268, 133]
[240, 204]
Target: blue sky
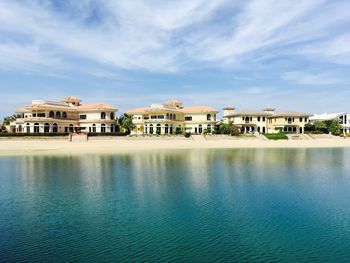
[247, 54]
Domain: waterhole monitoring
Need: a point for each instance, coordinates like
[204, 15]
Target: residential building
[266, 121]
[288, 121]
[170, 116]
[68, 115]
[249, 121]
[342, 117]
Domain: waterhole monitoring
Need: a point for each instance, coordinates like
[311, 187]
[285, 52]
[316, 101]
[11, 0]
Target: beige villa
[266, 121]
[170, 116]
[68, 115]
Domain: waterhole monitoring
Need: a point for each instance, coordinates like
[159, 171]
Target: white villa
[68, 115]
[343, 117]
[266, 121]
[170, 116]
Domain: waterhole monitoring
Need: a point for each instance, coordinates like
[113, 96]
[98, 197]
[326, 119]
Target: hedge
[276, 136]
[93, 134]
[4, 134]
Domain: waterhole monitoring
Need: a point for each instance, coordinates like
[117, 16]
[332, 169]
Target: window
[64, 115]
[103, 115]
[208, 117]
[160, 116]
[301, 119]
[174, 117]
[112, 115]
[259, 118]
[305, 119]
[51, 114]
[93, 127]
[263, 118]
[82, 117]
[41, 115]
[58, 115]
[153, 117]
[188, 118]
[71, 128]
[46, 128]
[103, 128]
[28, 128]
[54, 128]
[146, 117]
[36, 127]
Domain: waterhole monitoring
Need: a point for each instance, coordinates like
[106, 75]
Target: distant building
[165, 118]
[342, 117]
[266, 121]
[68, 115]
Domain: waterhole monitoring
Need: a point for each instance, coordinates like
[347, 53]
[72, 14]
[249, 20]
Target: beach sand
[10, 147]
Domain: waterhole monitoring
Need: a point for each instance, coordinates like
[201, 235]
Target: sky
[249, 54]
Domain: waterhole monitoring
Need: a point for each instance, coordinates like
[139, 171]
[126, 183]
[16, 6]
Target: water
[253, 205]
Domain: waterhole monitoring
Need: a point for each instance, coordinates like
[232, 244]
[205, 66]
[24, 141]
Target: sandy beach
[121, 145]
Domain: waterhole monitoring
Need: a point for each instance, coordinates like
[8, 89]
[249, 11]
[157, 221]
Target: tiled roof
[95, 106]
[198, 109]
[290, 114]
[71, 99]
[248, 112]
[173, 102]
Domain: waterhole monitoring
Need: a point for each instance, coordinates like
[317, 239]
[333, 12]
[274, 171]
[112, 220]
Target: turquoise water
[262, 205]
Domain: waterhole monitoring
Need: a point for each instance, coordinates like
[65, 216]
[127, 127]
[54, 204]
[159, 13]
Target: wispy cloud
[309, 78]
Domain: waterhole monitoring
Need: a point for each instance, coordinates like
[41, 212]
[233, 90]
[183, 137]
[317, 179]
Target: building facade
[68, 115]
[266, 121]
[342, 117]
[171, 116]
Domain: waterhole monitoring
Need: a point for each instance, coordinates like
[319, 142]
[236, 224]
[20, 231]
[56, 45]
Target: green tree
[225, 128]
[178, 130]
[125, 122]
[334, 127]
[321, 126]
[13, 117]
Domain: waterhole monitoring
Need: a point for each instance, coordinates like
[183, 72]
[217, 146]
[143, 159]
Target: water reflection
[181, 205]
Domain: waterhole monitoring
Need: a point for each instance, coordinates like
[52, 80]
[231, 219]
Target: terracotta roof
[71, 99]
[173, 102]
[198, 109]
[290, 114]
[249, 113]
[136, 111]
[95, 106]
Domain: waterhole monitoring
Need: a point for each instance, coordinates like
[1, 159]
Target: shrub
[187, 134]
[178, 130]
[276, 136]
[93, 134]
[34, 134]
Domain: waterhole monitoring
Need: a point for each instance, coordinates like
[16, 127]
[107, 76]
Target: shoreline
[15, 147]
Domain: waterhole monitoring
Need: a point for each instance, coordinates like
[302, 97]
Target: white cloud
[168, 36]
[308, 78]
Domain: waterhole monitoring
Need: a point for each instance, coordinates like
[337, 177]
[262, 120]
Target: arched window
[151, 129]
[93, 127]
[28, 128]
[174, 116]
[209, 128]
[19, 128]
[200, 129]
[58, 115]
[259, 129]
[208, 117]
[166, 130]
[112, 128]
[112, 115]
[51, 114]
[64, 115]
[167, 115]
[158, 129]
[103, 128]
[289, 120]
[264, 130]
[46, 128]
[71, 128]
[55, 128]
[36, 128]
[103, 115]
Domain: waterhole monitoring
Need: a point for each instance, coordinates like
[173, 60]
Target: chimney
[269, 110]
[228, 111]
